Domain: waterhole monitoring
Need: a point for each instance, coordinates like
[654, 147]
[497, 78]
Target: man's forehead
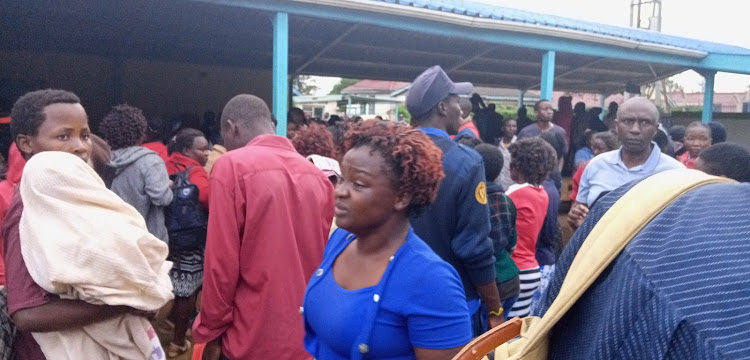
[639, 109]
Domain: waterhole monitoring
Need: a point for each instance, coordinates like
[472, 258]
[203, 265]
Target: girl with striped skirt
[532, 160]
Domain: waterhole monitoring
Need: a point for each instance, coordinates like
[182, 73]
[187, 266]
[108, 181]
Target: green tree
[305, 84]
[343, 83]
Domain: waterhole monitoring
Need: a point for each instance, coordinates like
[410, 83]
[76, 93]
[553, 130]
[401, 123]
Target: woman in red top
[188, 148]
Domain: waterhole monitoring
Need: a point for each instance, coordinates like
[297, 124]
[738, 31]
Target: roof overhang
[357, 38]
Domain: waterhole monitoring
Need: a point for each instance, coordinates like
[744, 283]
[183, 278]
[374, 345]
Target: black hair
[698, 124]
[677, 133]
[727, 159]
[469, 141]
[27, 114]
[183, 140]
[333, 120]
[662, 141]
[536, 104]
[534, 158]
[493, 160]
[299, 112]
[123, 126]
[718, 132]
[608, 138]
[613, 106]
[155, 129]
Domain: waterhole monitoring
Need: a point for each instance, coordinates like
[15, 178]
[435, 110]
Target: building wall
[157, 87]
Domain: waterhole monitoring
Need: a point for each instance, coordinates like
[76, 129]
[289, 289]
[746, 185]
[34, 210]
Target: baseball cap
[430, 87]
[329, 166]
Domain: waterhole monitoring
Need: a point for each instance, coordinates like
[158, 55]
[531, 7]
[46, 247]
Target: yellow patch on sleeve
[481, 193]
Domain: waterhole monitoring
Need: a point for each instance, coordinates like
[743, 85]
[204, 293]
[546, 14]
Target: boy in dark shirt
[503, 227]
[45, 120]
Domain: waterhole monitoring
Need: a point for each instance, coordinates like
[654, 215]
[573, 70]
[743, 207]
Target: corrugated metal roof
[521, 16]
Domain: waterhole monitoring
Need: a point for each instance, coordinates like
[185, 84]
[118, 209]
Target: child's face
[598, 146]
[509, 128]
[697, 139]
[65, 128]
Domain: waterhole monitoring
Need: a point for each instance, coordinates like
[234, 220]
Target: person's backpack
[185, 217]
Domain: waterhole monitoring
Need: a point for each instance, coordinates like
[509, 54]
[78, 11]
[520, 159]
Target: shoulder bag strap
[612, 233]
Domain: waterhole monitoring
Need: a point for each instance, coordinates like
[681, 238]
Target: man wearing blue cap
[457, 224]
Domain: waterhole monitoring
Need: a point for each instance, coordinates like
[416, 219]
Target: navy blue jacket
[549, 242]
[457, 224]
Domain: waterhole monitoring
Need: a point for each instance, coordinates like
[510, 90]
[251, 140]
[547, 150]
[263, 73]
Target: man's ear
[441, 108]
[24, 145]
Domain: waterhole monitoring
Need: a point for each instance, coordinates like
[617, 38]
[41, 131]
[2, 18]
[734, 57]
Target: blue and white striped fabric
[679, 290]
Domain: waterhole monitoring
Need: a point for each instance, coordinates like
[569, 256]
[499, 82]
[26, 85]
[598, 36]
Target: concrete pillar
[548, 75]
[280, 70]
[708, 96]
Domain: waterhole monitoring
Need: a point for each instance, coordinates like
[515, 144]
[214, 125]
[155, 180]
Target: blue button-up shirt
[607, 172]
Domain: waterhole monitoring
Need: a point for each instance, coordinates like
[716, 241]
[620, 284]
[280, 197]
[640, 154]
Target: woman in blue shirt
[381, 292]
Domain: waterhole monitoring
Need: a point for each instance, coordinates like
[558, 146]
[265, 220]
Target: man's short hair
[493, 160]
[124, 126]
[727, 159]
[718, 132]
[538, 103]
[247, 109]
[27, 114]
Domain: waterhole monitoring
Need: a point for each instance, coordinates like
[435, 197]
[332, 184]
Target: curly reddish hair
[414, 162]
[314, 140]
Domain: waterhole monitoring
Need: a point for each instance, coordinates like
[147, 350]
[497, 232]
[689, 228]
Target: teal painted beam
[708, 96]
[548, 75]
[521, 93]
[726, 63]
[414, 24]
[280, 70]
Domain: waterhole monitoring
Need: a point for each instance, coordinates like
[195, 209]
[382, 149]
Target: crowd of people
[347, 239]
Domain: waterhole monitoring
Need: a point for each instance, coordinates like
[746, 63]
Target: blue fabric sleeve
[585, 185]
[472, 243]
[437, 314]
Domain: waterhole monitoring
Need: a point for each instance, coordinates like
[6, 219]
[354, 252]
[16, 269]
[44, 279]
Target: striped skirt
[530, 280]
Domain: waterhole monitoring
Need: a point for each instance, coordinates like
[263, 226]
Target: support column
[548, 75]
[521, 93]
[708, 96]
[280, 70]
[602, 97]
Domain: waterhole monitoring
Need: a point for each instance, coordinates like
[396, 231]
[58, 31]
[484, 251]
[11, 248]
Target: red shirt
[468, 125]
[270, 213]
[686, 160]
[16, 163]
[531, 204]
[576, 183]
[158, 148]
[198, 175]
[23, 292]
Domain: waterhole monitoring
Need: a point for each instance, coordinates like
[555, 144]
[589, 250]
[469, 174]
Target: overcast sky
[722, 21]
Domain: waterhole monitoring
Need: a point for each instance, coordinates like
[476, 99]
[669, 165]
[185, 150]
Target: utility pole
[646, 15]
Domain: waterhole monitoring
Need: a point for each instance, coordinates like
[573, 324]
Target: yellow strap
[612, 233]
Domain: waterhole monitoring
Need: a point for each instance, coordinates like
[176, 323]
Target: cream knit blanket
[81, 241]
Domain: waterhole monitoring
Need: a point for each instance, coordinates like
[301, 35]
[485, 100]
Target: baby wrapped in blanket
[81, 241]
